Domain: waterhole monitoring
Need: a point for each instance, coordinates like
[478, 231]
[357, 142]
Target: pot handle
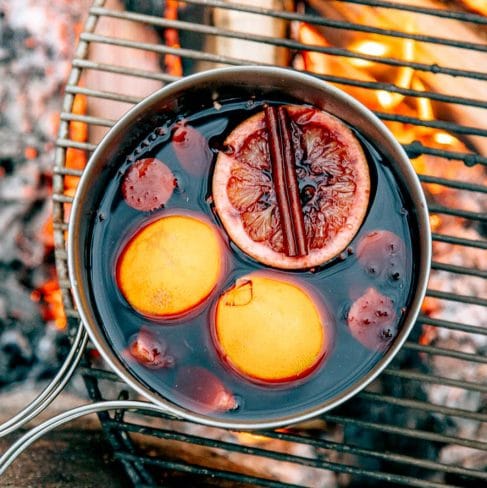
[32, 435]
[53, 389]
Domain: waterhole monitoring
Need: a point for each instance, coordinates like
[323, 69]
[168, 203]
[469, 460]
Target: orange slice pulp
[333, 179]
[170, 266]
[269, 329]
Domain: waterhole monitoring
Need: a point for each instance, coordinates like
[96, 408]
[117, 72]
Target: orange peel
[335, 172]
[170, 266]
[269, 329]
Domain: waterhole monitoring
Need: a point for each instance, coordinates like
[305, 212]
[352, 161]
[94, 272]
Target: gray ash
[37, 41]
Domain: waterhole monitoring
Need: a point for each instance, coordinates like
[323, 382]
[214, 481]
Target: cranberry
[191, 149]
[372, 320]
[148, 184]
[150, 351]
[382, 254]
[205, 390]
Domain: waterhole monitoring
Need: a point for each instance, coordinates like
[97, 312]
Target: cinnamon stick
[292, 186]
[285, 182]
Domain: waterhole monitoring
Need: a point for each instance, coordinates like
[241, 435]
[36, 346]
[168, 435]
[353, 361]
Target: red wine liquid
[188, 340]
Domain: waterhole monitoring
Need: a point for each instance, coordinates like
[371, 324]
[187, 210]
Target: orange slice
[170, 266]
[333, 180]
[269, 329]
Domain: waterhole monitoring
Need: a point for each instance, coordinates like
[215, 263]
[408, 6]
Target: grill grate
[400, 394]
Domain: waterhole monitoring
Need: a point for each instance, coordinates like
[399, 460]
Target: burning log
[121, 56]
[478, 6]
[172, 62]
[427, 53]
[250, 23]
[320, 63]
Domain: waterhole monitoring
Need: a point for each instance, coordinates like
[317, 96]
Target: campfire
[433, 97]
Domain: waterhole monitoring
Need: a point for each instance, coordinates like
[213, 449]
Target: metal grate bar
[435, 124]
[332, 51]
[446, 14]
[457, 212]
[88, 119]
[60, 226]
[368, 85]
[162, 49]
[450, 268]
[404, 431]
[465, 356]
[59, 170]
[424, 406]
[317, 463]
[389, 456]
[291, 44]
[383, 427]
[337, 467]
[461, 241]
[460, 185]
[197, 470]
[416, 148]
[457, 298]
[62, 199]
[122, 70]
[78, 145]
[449, 14]
[472, 329]
[437, 380]
[102, 94]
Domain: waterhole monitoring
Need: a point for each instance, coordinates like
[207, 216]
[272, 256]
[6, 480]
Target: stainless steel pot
[197, 91]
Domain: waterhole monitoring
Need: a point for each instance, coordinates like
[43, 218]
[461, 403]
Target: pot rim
[76, 249]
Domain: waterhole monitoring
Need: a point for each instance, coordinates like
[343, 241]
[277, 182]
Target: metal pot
[200, 90]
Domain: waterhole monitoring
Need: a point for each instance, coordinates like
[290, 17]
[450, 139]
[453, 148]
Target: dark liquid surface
[189, 340]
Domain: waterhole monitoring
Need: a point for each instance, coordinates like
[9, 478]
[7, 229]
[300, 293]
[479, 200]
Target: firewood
[427, 53]
[249, 23]
[477, 6]
[320, 63]
[120, 56]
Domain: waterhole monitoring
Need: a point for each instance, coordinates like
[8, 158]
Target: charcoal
[16, 356]
[146, 7]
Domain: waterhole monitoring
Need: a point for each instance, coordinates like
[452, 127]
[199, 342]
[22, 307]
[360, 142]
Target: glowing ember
[384, 101]
[479, 6]
[50, 298]
[371, 48]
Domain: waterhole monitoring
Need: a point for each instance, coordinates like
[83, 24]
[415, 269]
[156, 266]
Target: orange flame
[49, 296]
[172, 62]
[416, 107]
[478, 6]
[251, 439]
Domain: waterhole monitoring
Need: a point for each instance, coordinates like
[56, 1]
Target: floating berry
[191, 149]
[372, 320]
[150, 351]
[203, 388]
[382, 254]
[148, 184]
